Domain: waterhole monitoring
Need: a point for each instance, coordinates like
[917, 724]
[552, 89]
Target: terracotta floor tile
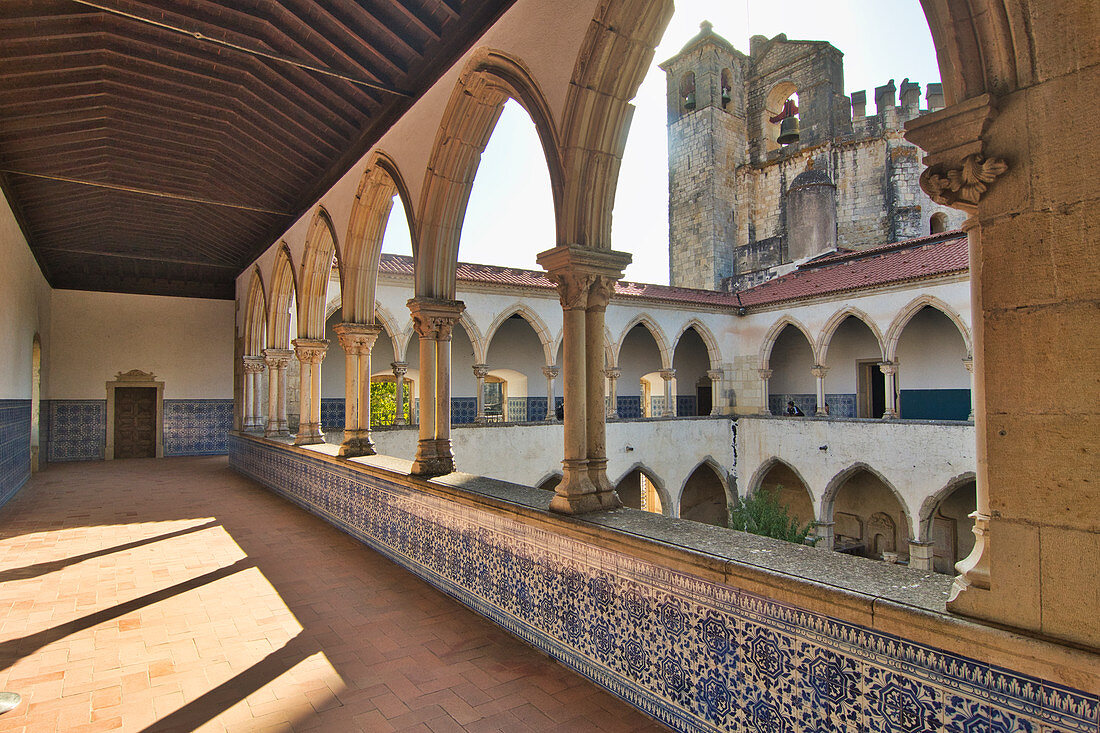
[175, 590]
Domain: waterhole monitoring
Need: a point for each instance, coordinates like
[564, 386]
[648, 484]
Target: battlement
[887, 102]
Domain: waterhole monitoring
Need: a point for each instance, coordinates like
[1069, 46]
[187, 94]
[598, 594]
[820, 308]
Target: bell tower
[707, 140]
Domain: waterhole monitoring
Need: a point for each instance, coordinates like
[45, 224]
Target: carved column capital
[310, 351]
[434, 318]
[551, 372]
[278, 358]
[357, 338]
[613, 373]
[600, 291]
[400, 368]
[481, 371]
[969, 364]
[667, 374]
[715, 375]
[888, 367]
[819, 371]
[253, 364]
[572, 289]
[765, 373]
[585, 277]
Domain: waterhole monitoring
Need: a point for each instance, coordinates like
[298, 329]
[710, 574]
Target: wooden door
[135, 422]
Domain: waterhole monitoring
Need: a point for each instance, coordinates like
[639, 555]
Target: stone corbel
[958, 170]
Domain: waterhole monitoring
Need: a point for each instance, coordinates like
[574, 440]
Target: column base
[434, 457]
[398, 421]
[356, 443]
[309, 434]
[575, 494]
[920, 555]
[605, 492]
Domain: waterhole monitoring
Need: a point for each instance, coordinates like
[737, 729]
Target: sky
[510, 218]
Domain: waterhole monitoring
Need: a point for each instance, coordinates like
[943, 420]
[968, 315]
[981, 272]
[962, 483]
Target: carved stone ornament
[135, 375]
[599, 292]
[962, 187]
[434, 319]
[572, 289]
[612, 373]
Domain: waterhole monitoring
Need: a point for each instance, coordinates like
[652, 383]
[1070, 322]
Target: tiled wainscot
[695, 654]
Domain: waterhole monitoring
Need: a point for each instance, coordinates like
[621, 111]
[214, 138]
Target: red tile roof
[835, 272]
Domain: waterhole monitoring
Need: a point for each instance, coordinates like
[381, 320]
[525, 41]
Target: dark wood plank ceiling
[159, 146]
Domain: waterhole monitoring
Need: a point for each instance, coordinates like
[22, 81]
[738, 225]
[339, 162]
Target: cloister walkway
[174, 594]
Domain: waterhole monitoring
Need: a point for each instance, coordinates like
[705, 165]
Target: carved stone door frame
[134, 378]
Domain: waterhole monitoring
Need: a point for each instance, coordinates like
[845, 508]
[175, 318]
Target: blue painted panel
[15, 446]
[517, 409]
[197, 427]
[685, 405]
[536, 408]
[695, 654]
[935, 404]
[332, 413]
[463, 410]
[629, 407]
[78, 430]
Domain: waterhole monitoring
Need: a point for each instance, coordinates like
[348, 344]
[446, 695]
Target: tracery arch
[893, 334]
[282, 298]
[658, 334]
[537, 324]
[321, 248]
[773, 334]
[829, 330]
[255, 315]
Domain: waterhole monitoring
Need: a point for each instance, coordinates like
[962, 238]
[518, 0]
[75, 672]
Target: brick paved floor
[176, 595]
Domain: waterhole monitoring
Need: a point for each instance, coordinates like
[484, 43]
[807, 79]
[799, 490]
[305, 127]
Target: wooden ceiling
[159, 146]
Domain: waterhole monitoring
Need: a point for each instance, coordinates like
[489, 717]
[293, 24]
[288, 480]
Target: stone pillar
[969, 364]
[765, 375]
[890, 370]
[715, 376]
[613, 374]
[819, 373]
[358, 340]
[920, 555]
[277, 361]
[670, 405]
[400, 369]
[584, 279]
[480, 372]
[434, 319]
[599, 294]
[310, 353]
[253, 368]
[551, 373]
[823, 531]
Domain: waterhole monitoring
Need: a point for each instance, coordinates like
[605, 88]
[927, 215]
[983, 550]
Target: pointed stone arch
[893, 334]
[399, 338]
[928, 506]
[539, 326]
[658, 334]
[714, 353]
[380, 182]
[321, 247]
[549, 481]
[476, 339]
[488, 81]
[821, 350]
[722, 475]
[828, 498]
[610, 355]
[773, 334]
[758, 476]
[255, 315]
[653, 478]
[284, 289]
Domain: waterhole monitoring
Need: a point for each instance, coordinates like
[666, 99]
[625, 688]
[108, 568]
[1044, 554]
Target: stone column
[613, 374]
[310, 353]
[551, 373]
[969, 364]
[576, 271]
[670, 405]
[434, 319]
[277, 361]
[765, 375]
[480, 372]
[253, 368]
[400, 369]
[920, 555]
[823, 531]
[358, 340]
[890, 370]
[715, 376]
[599, 294]
[819, 373]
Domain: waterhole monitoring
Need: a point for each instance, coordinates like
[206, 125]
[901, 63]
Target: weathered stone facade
[730, 181]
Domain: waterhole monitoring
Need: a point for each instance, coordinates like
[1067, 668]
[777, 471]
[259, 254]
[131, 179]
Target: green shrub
[383, 402]
[762, 514]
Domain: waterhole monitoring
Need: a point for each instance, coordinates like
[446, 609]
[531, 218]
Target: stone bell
[788, 131]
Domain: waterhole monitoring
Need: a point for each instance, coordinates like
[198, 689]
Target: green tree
[762, 514]
[383, 402]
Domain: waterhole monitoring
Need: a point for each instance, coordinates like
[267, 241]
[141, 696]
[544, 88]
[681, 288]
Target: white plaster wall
[186, 342]
[917, 459]
[638, 356]
[791, 360]
[851, 343]
[669, 450]
[931, 353]
[24, 310]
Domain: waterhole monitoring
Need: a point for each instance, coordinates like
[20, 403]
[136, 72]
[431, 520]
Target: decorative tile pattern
[463, 410]
[332, 413]
[685, 406]
[777, 403]
[517, 409]
[696, 655]
[78, 430]
[15, 446]
[841, 405]
[629, 406]
[536, 409]
[197, 427]
[656, 406]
